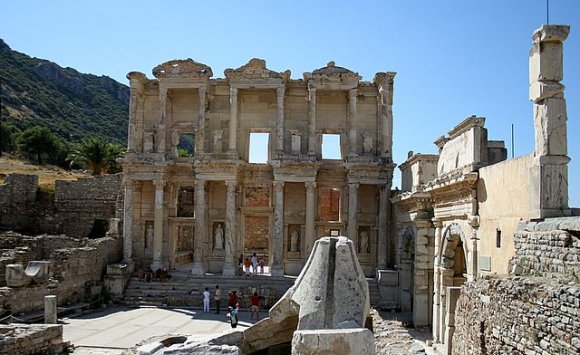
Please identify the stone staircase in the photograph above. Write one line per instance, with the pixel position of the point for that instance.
(187, 290)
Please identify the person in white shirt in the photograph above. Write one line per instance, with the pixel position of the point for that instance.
(206, 296)
(217, 298)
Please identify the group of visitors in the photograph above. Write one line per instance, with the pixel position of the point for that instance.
(251, 265)
(147, 274)
(233, 304)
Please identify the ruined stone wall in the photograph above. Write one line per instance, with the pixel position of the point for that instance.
(78, 270)
(17, 197)
(21, 339)
(518, 315)
(550, 248)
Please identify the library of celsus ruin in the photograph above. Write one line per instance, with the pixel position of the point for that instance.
(194, 193)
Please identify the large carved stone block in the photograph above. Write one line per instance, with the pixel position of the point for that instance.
(332, 341)
(15, 276)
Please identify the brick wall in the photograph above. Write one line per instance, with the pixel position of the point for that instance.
(519, 315)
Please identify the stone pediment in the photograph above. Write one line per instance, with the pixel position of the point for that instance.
(255, 69)
(331, 72)
(182, 68)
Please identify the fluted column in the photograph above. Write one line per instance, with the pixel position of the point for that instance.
(128, 222)
(200, 228)
(382, 237)
(277, 237)
(352, 134)
(200, 136)
(310, 230)
(352, 209)
(233, 120)
(158, 224)
(437, 336)
(229, 262)
(312, 121)
(280, 119)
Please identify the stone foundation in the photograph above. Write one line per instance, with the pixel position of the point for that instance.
(23, 339)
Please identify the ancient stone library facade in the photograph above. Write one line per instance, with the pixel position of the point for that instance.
(194, 193)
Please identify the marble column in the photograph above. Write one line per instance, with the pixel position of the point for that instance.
(437, 282)
(312, 139)
(229, 262)
(171, 232)
(385, 112)
(160, 134)
(352, 95)
(200, 135)
(158, 224)
(310, 228)
(352, 233)
(233, 120)
(382, 237)
(133, 104)
(280, 119)
(128, 222)
(200, 228)
(276, 267)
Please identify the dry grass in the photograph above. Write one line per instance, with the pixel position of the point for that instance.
(47, 174)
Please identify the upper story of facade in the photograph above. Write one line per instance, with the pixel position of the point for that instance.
(184, 115)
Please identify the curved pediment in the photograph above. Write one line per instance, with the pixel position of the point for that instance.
(255, 69)
(182, 68)
(332, 72)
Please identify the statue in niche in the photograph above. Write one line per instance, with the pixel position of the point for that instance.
(218, 141)
(149, 233)
(149, 143)
(364, 247)
(294, 241)
(367, 143)
(218, 237)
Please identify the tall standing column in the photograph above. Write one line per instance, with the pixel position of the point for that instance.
(352, 121)
(233, 120)
(229, 262)
(385, 112)
(128, 222)
(280, 119)
(200, 228)
(200, 136)
(437, 336)
(312, 121)
(352, 215)
(382, 237)
(158, 224)
(276, 267)
(160, 136)
(310, 230)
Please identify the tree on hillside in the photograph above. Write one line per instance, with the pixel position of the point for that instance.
(97, 155)
(38, 141)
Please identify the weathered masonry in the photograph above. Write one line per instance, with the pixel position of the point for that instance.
(193, 192)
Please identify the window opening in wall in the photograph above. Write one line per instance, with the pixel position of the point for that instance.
(186, 145)
(259, 143)
(331, 146)
(329, 204)
(99, 229)
(498, 238)
(185, 202)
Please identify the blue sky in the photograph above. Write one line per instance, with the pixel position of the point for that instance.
(454, 58)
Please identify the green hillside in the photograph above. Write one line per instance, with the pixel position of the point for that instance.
(72, 105)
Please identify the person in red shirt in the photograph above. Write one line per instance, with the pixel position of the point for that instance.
(255, 306)
(233, 299)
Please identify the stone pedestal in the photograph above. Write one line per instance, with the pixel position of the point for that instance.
(358, 341)
(50, 314)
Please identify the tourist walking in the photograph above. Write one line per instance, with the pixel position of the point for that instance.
(254, 264)
(206, 296)
(217, 298)
(241, 265)
(255, 306)
(247, 265)
(262, 266)
(233, 316)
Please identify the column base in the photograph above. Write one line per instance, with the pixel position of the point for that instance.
(198, 269)
(156, 265)
(130, 265)
(229, 269)
(277, 271)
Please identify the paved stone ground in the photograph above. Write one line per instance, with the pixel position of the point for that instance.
(115, 330)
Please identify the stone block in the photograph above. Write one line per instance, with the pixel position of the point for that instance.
(333, 341)
(16, 277)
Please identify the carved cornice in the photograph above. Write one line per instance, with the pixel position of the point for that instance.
(255, 69)
(182, 68)
(332, 73)
(465, 125)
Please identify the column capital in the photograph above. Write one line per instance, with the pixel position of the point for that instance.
(231, 185)
(159, 184)
(280, 90)
(437, 222)
(310, 186)
(278, 186)
(353, 185)
(199, 184)
(352, 93)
